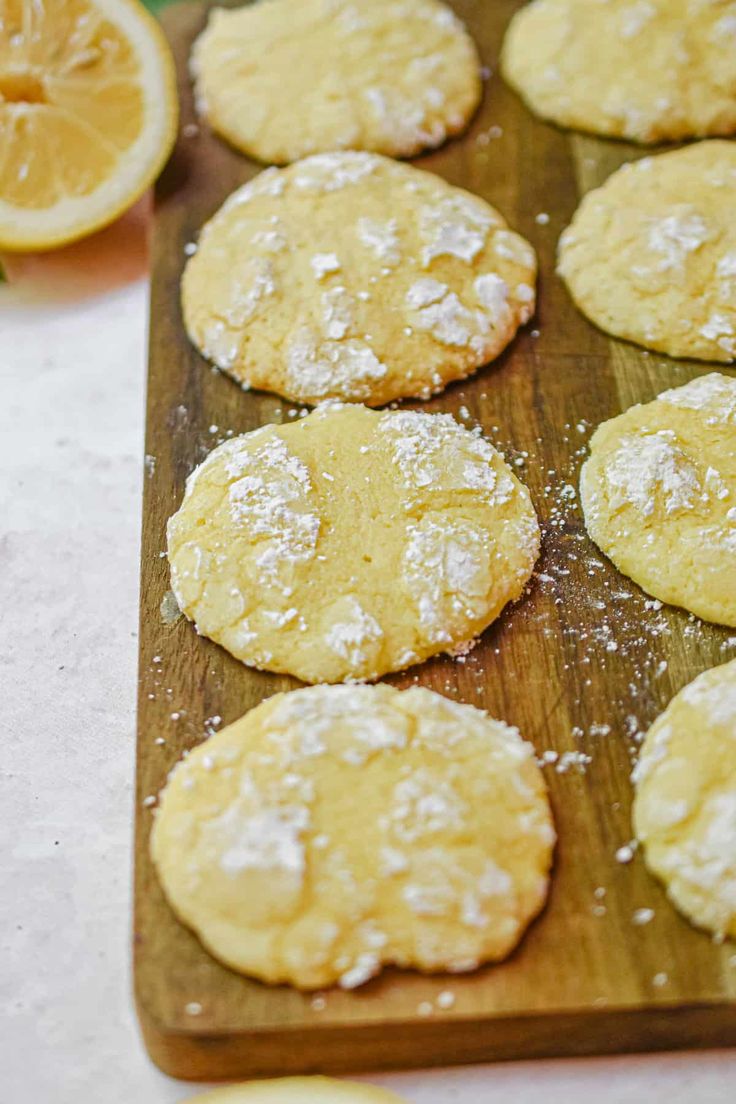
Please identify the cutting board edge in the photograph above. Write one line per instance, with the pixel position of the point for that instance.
(356, 1047)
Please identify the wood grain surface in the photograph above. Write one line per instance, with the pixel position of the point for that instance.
(580, 664)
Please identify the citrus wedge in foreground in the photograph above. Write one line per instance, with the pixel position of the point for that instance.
(298, 1090)
(88, 115)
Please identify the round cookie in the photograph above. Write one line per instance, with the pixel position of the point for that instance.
(336, 830)
(297, 1090)
(350, 543)
(645, 70)
(685, 805)
(280, 80)
(659, 496)
(350, 276)
(651, 255)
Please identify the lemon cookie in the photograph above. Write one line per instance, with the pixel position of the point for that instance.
(651, 255)
(350, 543)
(685, 805)
(645, 70)
(354, 277)
(335, 830)
(297, 1090)
(281, 79)
(659, 496)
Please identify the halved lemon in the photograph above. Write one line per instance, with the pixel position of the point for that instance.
(88, 115)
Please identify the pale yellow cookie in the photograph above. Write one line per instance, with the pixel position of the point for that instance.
(651, 255)
(336, 830)
(645, 70)
(297, 1090)
(350, 543)
(685, 805)
(354, 277)
(659, 496)
(281, 79)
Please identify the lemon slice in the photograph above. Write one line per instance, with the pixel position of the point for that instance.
(298, 1090)
(88, 115)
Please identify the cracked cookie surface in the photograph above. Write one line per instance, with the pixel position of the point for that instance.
(651, 255)
(281, 80)
(350, 543)
(659, 496)
(354, 277)
(335, 830)
(685, 805)
(646, 70)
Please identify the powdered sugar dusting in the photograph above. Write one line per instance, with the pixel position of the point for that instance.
(337, 313)
(266, 839)
(450, 322)
(330, 172)
(347, 368)
(715, 698)
(493, 294)
(720, 329)
(635, 17)
(435, 452)
(726, 267)
(675, 236)
(424, 292)
(381, 238)
(323, 264)
(650, 469)
(425, 804)
(349, 637)
(715, 394)
(270, 182)
(446, 570)
(454, 226)
(270, 501)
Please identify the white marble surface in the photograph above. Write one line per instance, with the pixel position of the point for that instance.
(71, 433)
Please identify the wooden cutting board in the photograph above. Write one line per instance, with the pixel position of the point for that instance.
(580, 664)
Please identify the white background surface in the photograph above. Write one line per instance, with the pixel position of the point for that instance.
(72, 369)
